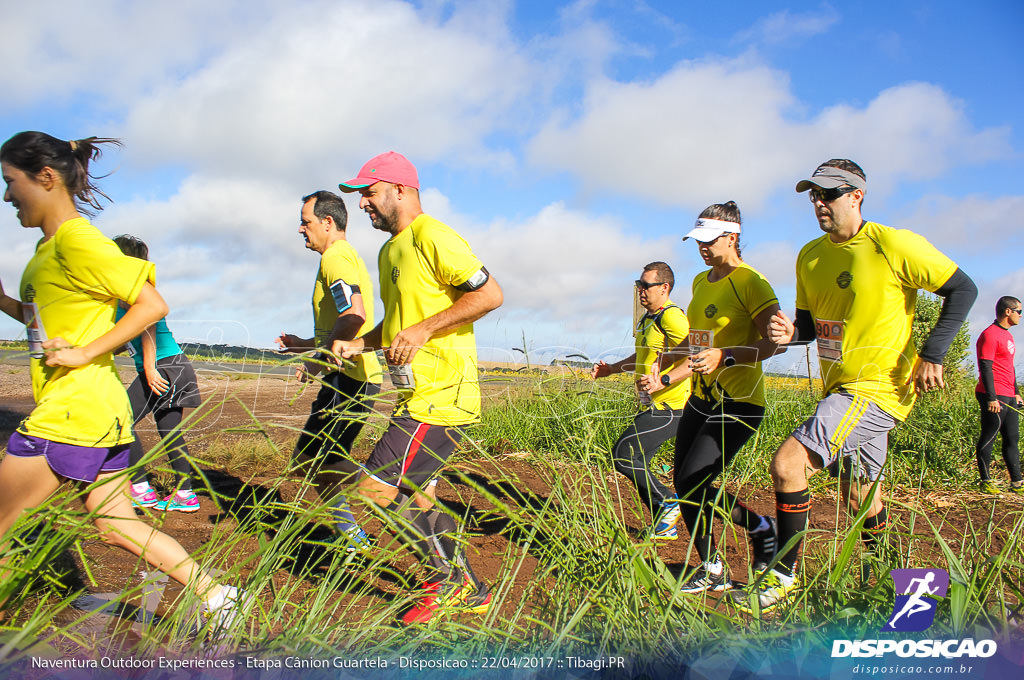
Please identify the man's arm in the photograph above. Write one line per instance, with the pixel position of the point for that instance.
(988, 381)
(471, 306)
(348, 323)
(347, 349)
(287, 342)
(601, 369)
(801, 331)
(959, 294)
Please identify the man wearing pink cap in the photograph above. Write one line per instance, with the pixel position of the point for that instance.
(433, 288)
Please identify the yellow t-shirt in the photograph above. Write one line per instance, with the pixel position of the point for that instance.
(75, 279)
(722, 315)
(419, 270)
(343, 274)
(862, 294)
(651, 342)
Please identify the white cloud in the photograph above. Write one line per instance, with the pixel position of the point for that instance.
(320, 90)
(971, 224)
(688, 135)
(785, 27)
(726, 127)
(912, 131)
(777, 261)
(112, 48)
(567, 275)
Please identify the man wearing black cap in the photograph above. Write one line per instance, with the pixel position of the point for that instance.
(856, 287)
(433, 288)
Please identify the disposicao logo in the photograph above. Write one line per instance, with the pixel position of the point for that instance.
(917, 597)
(918, 592)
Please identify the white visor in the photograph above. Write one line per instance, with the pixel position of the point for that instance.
(706, 229)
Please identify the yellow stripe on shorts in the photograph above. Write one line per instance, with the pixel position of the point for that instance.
(849, 421)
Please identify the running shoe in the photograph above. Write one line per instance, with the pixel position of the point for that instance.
(146, 499)
(986, 486)
(222, 613)
(664, 528)
(763, 546)
(1018, 490)
(702, 580)
(351, 541)
(769, 590)
(440, 597)
(181, 501)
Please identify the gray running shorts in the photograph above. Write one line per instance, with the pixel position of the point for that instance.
(849, 432)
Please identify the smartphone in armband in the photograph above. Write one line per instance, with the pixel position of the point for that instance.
(401, 377)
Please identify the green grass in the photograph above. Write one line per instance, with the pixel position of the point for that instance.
(592, 584)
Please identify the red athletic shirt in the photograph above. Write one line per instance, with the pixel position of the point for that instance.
(996, 345)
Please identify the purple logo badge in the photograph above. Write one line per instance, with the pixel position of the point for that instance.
(917, 594)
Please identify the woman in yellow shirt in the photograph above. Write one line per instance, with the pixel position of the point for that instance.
(80, 429)
(729, 313)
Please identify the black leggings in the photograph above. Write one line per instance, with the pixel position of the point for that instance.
(167, 423)
(710, 436)
(632, 454)
(1006, 423)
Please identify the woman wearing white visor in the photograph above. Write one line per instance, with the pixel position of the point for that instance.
(729, 314)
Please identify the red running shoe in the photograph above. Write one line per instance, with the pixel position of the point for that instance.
(442, 597)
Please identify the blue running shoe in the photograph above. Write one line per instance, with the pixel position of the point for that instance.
(183, 501)
(665, 525)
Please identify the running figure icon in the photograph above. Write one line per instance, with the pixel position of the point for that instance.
(915, 604)
(917, 594)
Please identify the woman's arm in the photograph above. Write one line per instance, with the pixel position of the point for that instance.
(149, 307)
(10, 306)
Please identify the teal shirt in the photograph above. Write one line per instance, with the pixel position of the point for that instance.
(165, 343)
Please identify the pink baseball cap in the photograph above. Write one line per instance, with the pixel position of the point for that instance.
(390, 167)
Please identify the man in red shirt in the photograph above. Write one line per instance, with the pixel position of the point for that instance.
(997, 395)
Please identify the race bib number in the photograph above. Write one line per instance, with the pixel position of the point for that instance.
(701, 340)
(830, 339)
(342, 294)
(34, 329)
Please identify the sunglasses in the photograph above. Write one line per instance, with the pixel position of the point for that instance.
(644, 285)
(1018, 311)
(829, 195)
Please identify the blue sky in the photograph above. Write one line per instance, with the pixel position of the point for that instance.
(570, 143)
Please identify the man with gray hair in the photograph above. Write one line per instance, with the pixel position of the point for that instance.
(342, 309)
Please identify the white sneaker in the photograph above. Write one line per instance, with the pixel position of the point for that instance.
(768, 590)
(222, 611)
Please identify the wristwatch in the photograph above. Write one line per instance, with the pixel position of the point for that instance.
(665, 380)
(729, 359)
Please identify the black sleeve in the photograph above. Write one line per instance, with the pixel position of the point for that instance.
(988, 380)
(804, 323)
(960, 293)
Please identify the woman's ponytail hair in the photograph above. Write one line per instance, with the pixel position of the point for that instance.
(30, 152)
